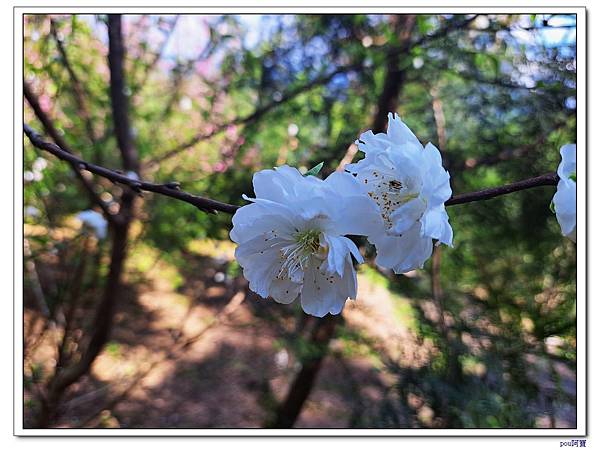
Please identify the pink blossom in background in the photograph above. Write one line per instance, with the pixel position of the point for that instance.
(45, 102)
(231, 131)
(220, 167)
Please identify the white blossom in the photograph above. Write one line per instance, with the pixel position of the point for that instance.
(94, 220)
(31, 211)
(410, 186)
(565, 199)
(292, 238)
(134, 176)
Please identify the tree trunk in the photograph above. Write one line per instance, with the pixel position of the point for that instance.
(103, 319)
(395, 74)
(301, 387)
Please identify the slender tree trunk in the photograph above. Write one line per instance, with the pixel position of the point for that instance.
(120, 104)
(395, 74)
(65, 377)
(301, 387)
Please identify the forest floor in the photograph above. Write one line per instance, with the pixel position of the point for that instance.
(193, 348)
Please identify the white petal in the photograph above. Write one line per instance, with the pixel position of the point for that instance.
(436, 186)
(337, 254)
(403, 253)
(358, 215)
(435, 225)
(257, 218)
(261, 261)
(353, 250)
(282, 184)
(323, 293)
(370, 143)
(405, 160)
(350, 208)
(313, 207)
(284, 291)
(343, 183)
(340, 248)
(568, 164)
(399, 133)
(405, 216)
(565, 204)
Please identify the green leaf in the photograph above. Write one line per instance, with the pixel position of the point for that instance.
(315, 170)
(552, 208)
(573, 177)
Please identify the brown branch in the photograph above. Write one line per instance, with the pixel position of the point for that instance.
(549, 179)
(246, 120)
(395, 74)
(211, 206)
(157, 55)
(78, 90)
(60, 142)
(250, 118)
(288, 411)
(168, 189)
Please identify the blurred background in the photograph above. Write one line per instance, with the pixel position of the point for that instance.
(137, 314)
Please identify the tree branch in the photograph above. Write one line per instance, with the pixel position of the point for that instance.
(212, 206)
(78, 90)
(245, 120)
(120, 106)
(60, 143)
(250, 118)
(168, 189)
(549, 179)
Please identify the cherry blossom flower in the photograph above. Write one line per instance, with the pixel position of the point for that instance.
(565, 199)
(410, 186)
(95, 221)
(292, 239)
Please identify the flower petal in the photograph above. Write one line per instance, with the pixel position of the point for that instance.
(340, 248)
(405, 216)
(323, 293)
(284, 291)
(436, 186)
(403, 253)
(399, 133)
(257, 218)
(371, 143)
(282, 184)
(568, 164)
(435, 225)
(565, 204)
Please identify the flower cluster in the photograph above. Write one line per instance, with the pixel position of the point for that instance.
(293, 237)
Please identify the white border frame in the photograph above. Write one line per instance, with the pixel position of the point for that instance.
(582, 353)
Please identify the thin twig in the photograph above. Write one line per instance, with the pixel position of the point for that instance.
(78, 90)
(292, 93)
(60, 142)
(250, 118)
(549, 179)
(168, 189)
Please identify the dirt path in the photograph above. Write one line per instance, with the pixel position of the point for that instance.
(241, 356)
